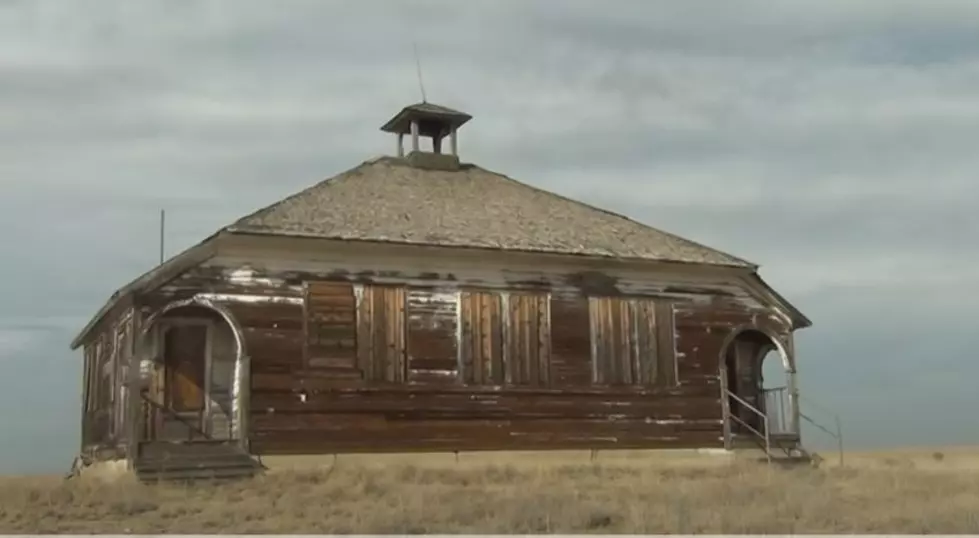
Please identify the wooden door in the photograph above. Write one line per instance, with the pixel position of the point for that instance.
(185, 356)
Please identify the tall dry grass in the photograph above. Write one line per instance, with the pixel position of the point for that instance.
(876, 494)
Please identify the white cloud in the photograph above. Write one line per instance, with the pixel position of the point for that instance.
(15, 342)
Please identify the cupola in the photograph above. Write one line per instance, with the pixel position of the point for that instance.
(431, 121)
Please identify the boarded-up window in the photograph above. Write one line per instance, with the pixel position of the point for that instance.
(106, 351)
(432, 347)
(571, 360)
(381, 333)
(481, 338)
(91, 368)
(331, 329)
(526, 338)
(505, 338)
(628, 345)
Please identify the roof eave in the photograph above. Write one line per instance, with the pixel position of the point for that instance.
(243, 231)
(150, 279)
(799, 320)
(395, 125)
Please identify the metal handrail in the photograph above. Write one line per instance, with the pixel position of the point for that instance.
(838, 435)
(192, 428)
(766, 436)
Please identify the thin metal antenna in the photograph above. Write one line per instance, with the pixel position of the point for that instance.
(163, 223)
(418, 65)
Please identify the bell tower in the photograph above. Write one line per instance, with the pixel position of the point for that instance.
(432, 121)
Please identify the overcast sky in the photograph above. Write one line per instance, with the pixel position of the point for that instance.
(832, 142)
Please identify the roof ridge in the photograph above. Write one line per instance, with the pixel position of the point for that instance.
(616, 215)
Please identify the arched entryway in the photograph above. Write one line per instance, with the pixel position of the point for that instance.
(192, 354)
(759, 374)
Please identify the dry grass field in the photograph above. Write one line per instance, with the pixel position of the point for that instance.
(894, 492)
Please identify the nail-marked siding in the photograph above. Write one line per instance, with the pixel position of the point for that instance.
(626, 342)
(432, 336)
(381, 333)
(481, 337)
(331, 329)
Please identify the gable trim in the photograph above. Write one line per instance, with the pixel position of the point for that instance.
(149, 280)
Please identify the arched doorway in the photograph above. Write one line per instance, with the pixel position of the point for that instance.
(190, 369)
(759, 374)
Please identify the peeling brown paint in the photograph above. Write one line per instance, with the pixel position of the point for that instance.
(370, 357)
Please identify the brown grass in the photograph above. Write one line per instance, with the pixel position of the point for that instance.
(909, 492)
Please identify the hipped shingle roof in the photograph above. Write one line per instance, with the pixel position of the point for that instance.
(387, 199)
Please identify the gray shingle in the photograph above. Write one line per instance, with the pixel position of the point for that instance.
(386, 199)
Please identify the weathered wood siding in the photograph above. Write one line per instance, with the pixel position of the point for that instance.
(625, 342)
(526, 340)
(571, 351)
(352, 352)
(106, 358)
(331, 329)
(432, 339)
(481, 338)
(381, 333)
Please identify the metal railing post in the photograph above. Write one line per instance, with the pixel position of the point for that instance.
(765, 434)
(725, 411)
(839, 437)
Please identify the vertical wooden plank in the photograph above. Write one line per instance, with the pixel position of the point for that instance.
(621, 335)
(504, 374)
(432, 337)
(118, 356)
(306, 335)
(666, 363)
(496, 331)
(485, 323)
(97, 373)
(635, 356)
(605, 349)
(482, 355)
(594, 314)
(525, 330)
(515, 357)
(466, 338)
(646, 341)
(86, 392)
(392, 367)
(379, 330)
(519, 341)
(571, 341)
(544, 339)
(482, 337)
(123, 387)
(136, 420)
(364, 338)
(626, 340)
(399, 325)
(511, 368)
(527, 355)
(629, 356)
(609, 342)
